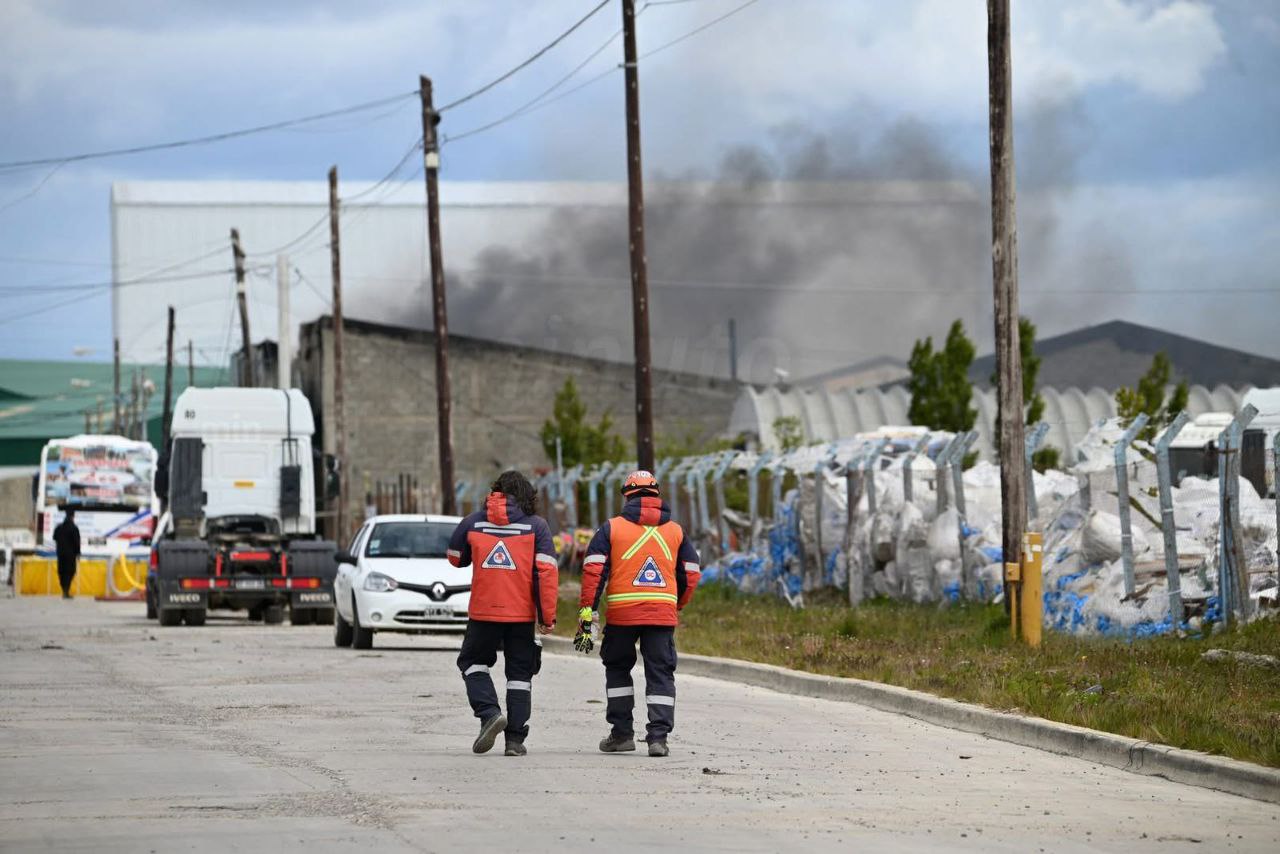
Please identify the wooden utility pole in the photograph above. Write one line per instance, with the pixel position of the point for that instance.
(1004, 262)
(246, 367)
(444, 413)
(339, 410)
(115, 410)
(639, 268)
(167, 415)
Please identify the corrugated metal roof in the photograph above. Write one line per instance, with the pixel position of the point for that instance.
(47, 400)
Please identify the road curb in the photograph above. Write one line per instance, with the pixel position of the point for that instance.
(1141, 757)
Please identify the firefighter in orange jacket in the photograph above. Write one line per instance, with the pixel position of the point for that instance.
(645, 569)
(513, 590)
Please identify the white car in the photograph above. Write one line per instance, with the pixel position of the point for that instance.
(394, 577)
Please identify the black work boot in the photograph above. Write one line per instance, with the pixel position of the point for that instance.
(515, 747)
(658, 747)
(614, 743)
(488, 733)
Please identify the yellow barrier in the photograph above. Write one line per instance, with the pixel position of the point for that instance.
(38, 576)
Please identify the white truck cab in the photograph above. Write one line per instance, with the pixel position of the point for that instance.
(240, 529)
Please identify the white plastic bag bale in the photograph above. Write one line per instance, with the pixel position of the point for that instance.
(944, 536)
(1150, 603)
(1101, 540)
(989, 581)
(914, 560)
(946, 576)
(883, 528)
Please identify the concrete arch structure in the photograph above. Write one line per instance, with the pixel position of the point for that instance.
(829, 415)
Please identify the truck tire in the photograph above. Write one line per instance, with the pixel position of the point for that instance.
(195, 616)
(301, 616)
(323, 616)
(150, 595)
(255, 614)
(361, 638)
(273, 615)
(171, 617)
(341, 632)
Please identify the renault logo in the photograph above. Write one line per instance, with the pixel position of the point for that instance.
(438, 590)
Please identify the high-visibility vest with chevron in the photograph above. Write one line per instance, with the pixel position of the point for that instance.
(642, 566)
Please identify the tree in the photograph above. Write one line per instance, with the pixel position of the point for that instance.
(789, 432)
(1149, 397)
(1048, 456)
(939, 384)
(580, 442)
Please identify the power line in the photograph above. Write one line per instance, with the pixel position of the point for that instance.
(21, 290)
(53, 262)
(694, 32)
(204, 140)
(324, 218)
(19, 199)
(485, 88)
(570, 280)
(538, 103)
(530, 105)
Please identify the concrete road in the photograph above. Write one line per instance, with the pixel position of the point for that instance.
(117, 735)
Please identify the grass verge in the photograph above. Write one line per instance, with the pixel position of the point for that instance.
(1156, 689)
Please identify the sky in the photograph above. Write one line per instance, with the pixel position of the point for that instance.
(1147, 137)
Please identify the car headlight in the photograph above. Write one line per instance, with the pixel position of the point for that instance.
(376, 582)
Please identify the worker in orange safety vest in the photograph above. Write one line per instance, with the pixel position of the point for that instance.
(644, 568)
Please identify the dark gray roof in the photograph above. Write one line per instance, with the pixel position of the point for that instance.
(1116, 354)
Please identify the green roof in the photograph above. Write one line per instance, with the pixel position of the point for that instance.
(47, 400)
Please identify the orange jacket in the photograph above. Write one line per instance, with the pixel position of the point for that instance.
(642, 565)
(516, 576)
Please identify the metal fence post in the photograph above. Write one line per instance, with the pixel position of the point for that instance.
(1233, 574)
(869, 465)
(908, 473)
(717, 477)
(958, 452)
(691, 487)
(1122, 497)
(1033, 440)
(593, 494)
(704, 514)
(778, 474)
(753, 491)
(571, 478)
(940, 472)
(1168, 529)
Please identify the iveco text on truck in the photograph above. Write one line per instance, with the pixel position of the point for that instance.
(240, 529)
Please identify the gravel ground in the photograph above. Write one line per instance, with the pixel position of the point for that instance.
(118, 735)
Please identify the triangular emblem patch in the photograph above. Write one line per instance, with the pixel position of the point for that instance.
(649, 575)
(499, 558)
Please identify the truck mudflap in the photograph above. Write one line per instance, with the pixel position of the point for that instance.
(313, 559)
(312, 599)
(173, 596)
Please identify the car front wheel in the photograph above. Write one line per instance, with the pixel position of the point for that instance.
(342, 633)
(361, 638)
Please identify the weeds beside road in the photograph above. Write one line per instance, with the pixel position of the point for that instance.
(1156, 689)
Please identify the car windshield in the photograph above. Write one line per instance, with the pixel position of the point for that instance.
(409, 539)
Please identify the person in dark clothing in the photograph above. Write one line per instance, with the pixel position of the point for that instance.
(514, 585)
(67, 539)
